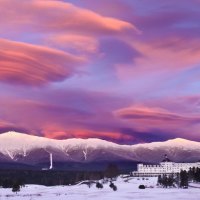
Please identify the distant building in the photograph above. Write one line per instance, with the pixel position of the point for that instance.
(165, 167)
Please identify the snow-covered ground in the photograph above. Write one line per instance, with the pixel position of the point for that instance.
(126, 190)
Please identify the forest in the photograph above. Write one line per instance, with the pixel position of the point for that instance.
(8, 178)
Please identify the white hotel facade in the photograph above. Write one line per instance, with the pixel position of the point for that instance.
(165, 167)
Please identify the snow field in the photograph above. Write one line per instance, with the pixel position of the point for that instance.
(126, 191)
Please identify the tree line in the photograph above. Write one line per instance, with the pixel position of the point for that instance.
(180, 179)
(10, 178)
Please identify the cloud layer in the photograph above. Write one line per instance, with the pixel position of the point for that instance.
(121, 70)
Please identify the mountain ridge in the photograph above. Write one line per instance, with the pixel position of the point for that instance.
(29, 149)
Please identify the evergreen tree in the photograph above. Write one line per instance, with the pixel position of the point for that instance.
(183, 179)
(16, 187)
(111, 171)
(167, 181)
(160, 180)
(7, 183)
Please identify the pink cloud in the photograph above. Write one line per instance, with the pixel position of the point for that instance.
(152, 113)
(56, 16)
(83, 133)
(151, 119)
(79, 43)
(22, 63)
(161, 58)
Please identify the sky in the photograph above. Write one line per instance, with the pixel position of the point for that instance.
(125, 71)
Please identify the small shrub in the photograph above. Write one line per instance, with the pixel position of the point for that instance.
(111, 185)
(99, 185)
(141, 187)
(114, 188)
(16, 187)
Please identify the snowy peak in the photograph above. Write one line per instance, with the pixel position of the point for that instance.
(180, 140)
(16, 135)
(177, 142)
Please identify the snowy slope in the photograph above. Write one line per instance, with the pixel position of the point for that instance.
(30, 149)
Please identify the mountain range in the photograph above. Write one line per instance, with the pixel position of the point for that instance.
(19, 148)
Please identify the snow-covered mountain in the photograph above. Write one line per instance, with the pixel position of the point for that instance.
(28, 149)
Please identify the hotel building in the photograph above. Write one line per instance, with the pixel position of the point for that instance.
(165, 167)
